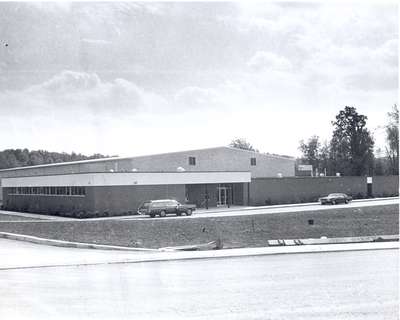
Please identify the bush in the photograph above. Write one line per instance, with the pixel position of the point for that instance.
(68, 214)
(359, 196)
(105, 213)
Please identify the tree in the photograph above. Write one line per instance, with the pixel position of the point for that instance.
(310, 151)
(317, 154)
(325, 159)
(392, 138)
(241, 143)
(351, 144)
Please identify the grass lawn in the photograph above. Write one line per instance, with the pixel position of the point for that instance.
(238, 231)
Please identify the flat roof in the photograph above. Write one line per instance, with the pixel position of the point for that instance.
(136, 157)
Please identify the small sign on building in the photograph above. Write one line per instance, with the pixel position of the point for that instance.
(304, 167)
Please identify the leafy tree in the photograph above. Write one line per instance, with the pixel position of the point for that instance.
(35, 158)
(317, 154)
(392, 138)
(351, 144)
(310, 152)
(241, 143)
(325, 159)
(9, 159)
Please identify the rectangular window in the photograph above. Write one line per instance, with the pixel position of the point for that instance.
(53, 191)
(253, 161)
(192, 161)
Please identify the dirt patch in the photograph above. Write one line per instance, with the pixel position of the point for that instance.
(237, 231)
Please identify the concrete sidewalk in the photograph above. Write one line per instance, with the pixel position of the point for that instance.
(306, 204)
(199, 211)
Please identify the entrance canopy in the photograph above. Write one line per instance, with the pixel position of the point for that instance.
(128, 178)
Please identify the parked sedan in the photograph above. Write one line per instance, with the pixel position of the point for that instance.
(335, 198)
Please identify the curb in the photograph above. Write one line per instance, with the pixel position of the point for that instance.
(228, 253)
(323, 241)
(68, 244)
(204, 247)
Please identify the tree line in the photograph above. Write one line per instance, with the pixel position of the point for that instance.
(11, 158)
(350, 151)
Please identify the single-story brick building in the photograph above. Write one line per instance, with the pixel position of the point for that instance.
(207, 177)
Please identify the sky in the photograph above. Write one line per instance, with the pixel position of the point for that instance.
(134, 78)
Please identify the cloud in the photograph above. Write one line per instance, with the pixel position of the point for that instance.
(82, 92)
(256, 65)
(323, 45)
(196, 97)
(362, 68)
(263, 60)
(96, 41)
(67, 82)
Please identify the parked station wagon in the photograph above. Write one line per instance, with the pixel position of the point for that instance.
(164, 207)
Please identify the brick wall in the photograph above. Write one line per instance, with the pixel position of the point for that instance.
(115, 200)
(122, 199)
(265, 191)
(47, 204)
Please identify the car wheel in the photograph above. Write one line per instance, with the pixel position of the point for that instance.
(179, 214)
(189, 212)
(346, 201)
(152, 215)
(163, 214)
(333, 202)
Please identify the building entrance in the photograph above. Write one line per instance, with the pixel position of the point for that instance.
(224, 197)
(215, 195)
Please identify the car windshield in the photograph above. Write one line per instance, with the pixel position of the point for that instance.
(336, 195)
(145, 205)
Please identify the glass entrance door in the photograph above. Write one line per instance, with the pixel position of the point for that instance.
(222, 196)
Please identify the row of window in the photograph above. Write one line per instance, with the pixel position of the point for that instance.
(192, 161)
(53, 191)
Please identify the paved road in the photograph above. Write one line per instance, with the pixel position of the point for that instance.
(340, 285)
